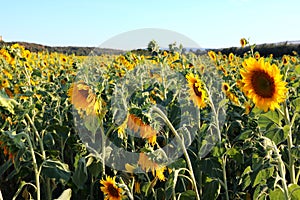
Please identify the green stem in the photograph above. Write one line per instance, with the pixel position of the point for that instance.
(290, 144)
(48, 187)
(37, 135)
(281, 169)
(185, 153)
(225, 176)
(35, 167)
(216, 114)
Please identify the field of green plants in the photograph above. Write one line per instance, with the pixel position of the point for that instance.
(166, 125)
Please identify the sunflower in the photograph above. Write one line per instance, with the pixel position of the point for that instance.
(225, 87)
(257, 55)
(7, 74)
(110, 189)
(5, 83)
(243, 42)
(263, 84)
(135, 124)
(137, 187)
(82, 97)
(293, 59)
(212, 55)
(231, 57)
(147, 164)
(197, 93)
(285, 59)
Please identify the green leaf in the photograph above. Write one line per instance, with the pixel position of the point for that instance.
(263, 175)
(296, 152)
(91, 122)
(65, 195)
(276, 194)
(296, 103)
(294, 191)
(5, 167)
(235, 154)
(211, 167)
(273, 116)
(80, 176)
(188, 195)
(278, 135)
(180, 163)
(245, 135)
(297, 69)
(245, 181)
(7, 103)
(211, 190)
(56, 169)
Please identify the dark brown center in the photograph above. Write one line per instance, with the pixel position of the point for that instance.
(196, 90)
(263, 84)
(84, 93)
(113, 191)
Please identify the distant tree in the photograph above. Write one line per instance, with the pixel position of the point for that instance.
(153, 46)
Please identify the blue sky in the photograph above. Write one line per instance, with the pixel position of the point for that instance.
(211, 24)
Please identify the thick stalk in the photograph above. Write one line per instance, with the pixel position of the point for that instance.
(220, 140)
(290, 144)
(35, 167)
(281, 169)
(185, 153)
(48, 188)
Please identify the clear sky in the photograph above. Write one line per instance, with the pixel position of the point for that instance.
(212, 24)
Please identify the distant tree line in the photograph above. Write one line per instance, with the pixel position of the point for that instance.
(79, 51)
(277, 49)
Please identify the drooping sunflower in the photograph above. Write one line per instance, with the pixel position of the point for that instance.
(197, 93)
(262, 84)
(110, 189)
(82, 97)
(145, 130)
(148, 164)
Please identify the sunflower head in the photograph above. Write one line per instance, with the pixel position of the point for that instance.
(262, 84)
(225, 87)
(285, 59)
(147, 164)
(110, 189)
(243, 42)
(212, 55)
(5, 83)
(197, 93)
(231, 57)
(257, 55)
(82, 97)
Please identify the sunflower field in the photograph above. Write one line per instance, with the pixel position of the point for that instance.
(164, 125)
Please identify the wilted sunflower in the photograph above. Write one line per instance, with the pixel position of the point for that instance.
(263, 84)
(147, 165)
(197, 93)
(146, 131)
(82, 97)
(110, 189)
